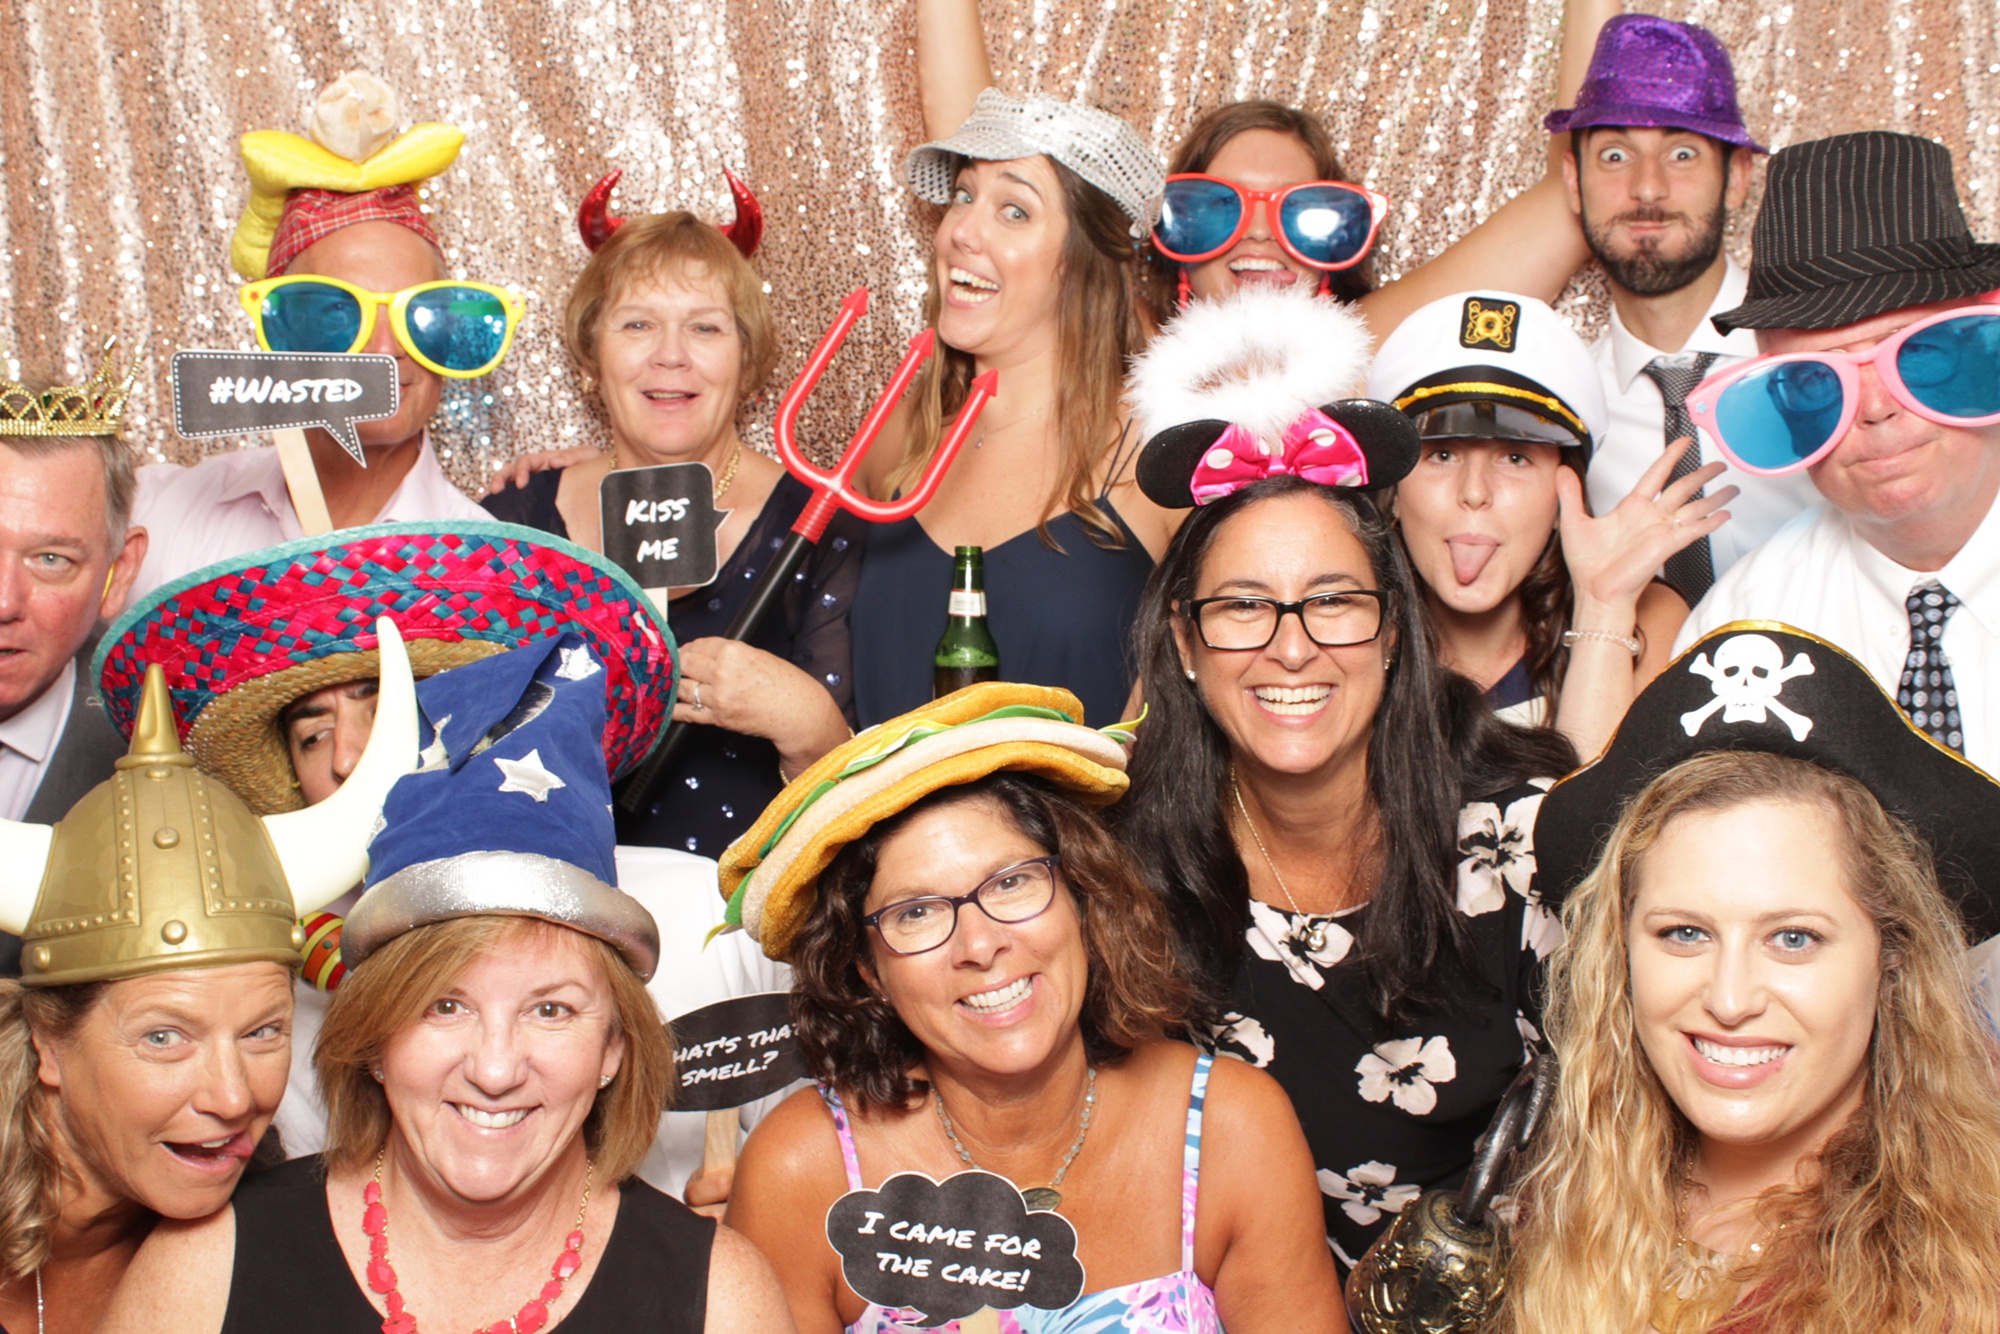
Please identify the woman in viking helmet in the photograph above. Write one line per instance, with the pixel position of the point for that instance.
(145, 1048)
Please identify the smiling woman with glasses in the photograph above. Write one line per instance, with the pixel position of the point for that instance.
(983, 983)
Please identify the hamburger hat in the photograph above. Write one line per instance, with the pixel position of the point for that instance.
(770, 875)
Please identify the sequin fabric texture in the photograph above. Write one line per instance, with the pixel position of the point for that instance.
(120, 182)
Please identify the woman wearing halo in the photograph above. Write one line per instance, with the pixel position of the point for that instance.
(1763, 1004)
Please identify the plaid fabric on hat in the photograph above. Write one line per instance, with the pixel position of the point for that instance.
(1856, 226)
(314, 215)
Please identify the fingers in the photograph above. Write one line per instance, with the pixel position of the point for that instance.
(1678, 491)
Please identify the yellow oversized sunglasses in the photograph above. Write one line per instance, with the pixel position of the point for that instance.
(457, 329)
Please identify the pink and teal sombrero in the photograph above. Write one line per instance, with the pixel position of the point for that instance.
(242, 640)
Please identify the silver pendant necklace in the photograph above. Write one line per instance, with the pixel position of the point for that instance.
(1311, 932)
(1036, 1197)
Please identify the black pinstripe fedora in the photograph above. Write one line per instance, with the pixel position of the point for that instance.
(1856, 226)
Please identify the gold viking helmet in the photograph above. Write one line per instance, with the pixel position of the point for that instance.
(160, 867)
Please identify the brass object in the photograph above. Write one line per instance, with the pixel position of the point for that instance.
(128, 892)
(1441, 1268)
(161, 867)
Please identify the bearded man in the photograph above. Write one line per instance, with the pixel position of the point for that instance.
(1659, 158)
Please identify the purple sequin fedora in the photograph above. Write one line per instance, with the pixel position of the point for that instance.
(1650, 71)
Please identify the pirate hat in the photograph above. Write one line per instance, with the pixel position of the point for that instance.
(1762, 686)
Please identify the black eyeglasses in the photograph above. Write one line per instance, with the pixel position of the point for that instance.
(1331, 620)
(1014, 894)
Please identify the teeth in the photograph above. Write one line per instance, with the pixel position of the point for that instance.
(1738, 1056)
(967, 278)
(1255, 264)
(222, 1143)
(490, 1120)
(1000, 997)
(1292, 701)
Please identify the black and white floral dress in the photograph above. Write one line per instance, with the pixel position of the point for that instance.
(1391, 1113)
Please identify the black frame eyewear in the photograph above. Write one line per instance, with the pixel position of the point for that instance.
(874, 919)
(1381, 596)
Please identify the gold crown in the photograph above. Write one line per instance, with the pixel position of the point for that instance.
(95, 407)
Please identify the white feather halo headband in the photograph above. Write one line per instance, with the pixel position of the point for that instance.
(1257, 359)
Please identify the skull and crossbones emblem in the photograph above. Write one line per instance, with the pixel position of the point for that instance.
(1748, 673)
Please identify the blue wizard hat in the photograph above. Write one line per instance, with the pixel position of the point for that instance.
(508, 811)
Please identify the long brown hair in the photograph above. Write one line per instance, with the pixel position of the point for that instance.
(1097, 329)
(31, 1170)
(1896, 1225)
(1205, 139)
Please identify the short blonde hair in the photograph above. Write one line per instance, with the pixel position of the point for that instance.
(657, 246)
(397, 983)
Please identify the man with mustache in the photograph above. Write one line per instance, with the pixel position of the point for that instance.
(1659, 156)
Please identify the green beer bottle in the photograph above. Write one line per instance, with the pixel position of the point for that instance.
(966, 654)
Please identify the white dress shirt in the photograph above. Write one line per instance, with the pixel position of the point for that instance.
(28, 741)
(237, 502)
(1819, 575)
(1638, 427)
(679, 889)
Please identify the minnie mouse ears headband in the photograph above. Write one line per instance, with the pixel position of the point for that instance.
(1257, 386)
(595, 221)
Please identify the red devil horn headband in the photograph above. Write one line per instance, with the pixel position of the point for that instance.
(595, 220)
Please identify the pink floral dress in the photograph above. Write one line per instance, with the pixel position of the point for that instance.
(1177, 1303)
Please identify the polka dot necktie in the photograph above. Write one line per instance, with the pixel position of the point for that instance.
(1927, 693)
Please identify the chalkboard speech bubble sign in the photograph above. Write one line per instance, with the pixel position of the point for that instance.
(947, 1249)
(231, 393)
(660, 523)
(734, 1052)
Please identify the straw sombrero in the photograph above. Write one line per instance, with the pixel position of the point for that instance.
(770, 875)
(243, 639)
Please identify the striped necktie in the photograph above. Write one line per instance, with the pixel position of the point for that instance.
(1691, 569)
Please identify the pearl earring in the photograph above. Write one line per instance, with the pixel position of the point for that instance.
(604, 1081)
(1190, 673)
(377, 1072)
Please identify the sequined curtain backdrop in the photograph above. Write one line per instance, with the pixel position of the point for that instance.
(120, 183)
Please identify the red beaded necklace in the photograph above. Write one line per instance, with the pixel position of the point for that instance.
(534, 1313)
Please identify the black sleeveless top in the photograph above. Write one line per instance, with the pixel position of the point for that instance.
(290, 1273)
(1060, 618)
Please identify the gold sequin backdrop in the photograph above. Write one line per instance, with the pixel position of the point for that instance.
(120, 183)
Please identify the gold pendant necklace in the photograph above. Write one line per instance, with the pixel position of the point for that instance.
(1036, 1197)
(1311, 932)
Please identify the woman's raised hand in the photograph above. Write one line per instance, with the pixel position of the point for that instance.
(1612, 557)
(727, 683)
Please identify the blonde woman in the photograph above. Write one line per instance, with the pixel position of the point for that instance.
(1763, 1005)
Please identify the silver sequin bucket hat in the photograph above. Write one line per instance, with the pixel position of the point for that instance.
(1094, 144)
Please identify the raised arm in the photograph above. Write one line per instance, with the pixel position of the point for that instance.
(1611, 560)
(1531, 244)
(952, 66)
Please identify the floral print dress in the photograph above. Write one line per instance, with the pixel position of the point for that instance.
(1391, 1112)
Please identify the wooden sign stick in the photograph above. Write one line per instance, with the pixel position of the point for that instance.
(983, 1321)
(302, 480)
(718, 1152)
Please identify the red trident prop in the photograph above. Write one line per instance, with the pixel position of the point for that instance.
(832, 492)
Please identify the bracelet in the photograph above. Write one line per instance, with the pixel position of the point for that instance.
(1626, 642)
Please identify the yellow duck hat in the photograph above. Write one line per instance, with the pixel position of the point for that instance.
(771, 875)
(351, 152)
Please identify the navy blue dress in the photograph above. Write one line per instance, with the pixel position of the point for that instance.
(1060, 618)
(721, 781)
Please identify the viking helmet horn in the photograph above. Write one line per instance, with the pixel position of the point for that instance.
(324, 848)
